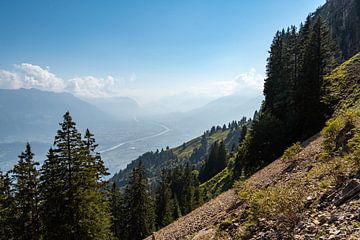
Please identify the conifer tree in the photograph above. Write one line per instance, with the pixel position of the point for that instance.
(73, 205)
(7, 208)
(215, 162)
(117, 212)
(164, 202)
(26, 188)
(139, 205)
(52, 197)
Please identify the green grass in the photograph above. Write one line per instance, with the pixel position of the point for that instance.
(217, 184)
(185, 153)
(343, 91)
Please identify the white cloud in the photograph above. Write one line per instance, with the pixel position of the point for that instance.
(250, 81)
(10, 80)
(214, 89)
(27, 75)
(34, 76)
(90, 86)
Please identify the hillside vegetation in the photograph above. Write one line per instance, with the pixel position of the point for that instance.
(295, 164)
(193, 152)
(311, 192)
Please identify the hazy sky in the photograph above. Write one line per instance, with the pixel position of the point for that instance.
(141, 48)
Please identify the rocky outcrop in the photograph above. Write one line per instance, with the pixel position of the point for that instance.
(344, 19)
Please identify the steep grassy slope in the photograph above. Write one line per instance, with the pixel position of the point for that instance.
(311, 192)
(343, 85)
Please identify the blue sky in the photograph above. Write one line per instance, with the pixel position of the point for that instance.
(162, 47)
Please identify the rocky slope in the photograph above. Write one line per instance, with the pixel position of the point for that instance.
(311, 192)
(344, 19)
(310, 203)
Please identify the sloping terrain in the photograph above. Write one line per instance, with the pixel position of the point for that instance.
(328, 208)
(218, 209)
(311, 192)
(194, 151)
(344, 20)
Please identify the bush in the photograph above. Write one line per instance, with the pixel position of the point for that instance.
(354, 149)
(282, 203)
(292, 153)
(337, 133)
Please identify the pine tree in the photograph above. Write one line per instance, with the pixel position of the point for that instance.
(62, 171)
(215, 162)
(187, 193)
(52, 197)
(27, 195)
(117, 212)
(319, 57)
(7, 209)
(94, 164)
(164, 202)
(139, 204)
(73, 205)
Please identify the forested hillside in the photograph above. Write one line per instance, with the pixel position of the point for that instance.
(192, 152)
(302, 90)
(311, 192)
(294, 167)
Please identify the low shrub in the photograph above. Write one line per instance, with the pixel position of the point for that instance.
(292, 153)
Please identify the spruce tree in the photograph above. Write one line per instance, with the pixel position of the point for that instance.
(52, 198)
(139, 204)
(164, 202)
(215, 162)
(117, 212)
(26, 188)
(73, 205)
(7, 209)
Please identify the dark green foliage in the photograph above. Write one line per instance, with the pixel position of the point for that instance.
(294, 89)
(72, 205)
(7, 209)
(148, 160)
(26, 188)
(164, 202)
(178, 194)
(263, 143)
(318, 59)
(117, 212)
(52, 197)
(194, 151)
(200, 152)
(139, 206)
(215, 162)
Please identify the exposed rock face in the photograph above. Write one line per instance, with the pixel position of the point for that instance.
(344, 19)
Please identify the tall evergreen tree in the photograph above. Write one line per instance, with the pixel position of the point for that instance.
(52, 197)
(164, 202)
(26, 188)
(73, 205)
(139, 204)
(215, 162)
(7, 209)
(117, 212)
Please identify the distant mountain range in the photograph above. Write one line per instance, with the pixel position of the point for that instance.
(124, 108)
(218, 112)
(33, 114)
